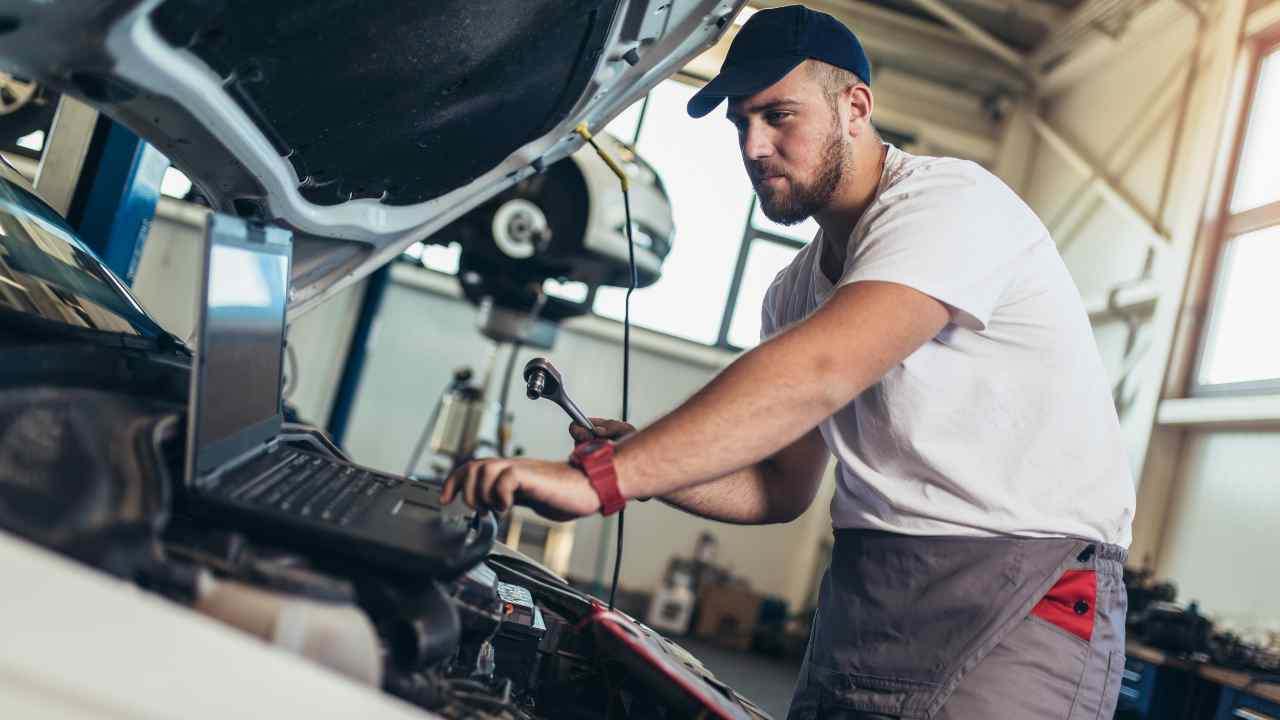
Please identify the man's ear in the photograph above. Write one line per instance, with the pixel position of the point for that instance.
(860, 103)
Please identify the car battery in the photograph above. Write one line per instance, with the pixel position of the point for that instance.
(517, 640)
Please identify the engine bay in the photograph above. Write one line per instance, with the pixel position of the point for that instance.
(506, 639)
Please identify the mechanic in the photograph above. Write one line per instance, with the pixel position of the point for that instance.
(931, 338)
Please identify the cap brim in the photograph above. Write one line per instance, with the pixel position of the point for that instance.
(740, 81)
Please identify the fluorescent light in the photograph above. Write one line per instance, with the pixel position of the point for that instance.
(175, 184)
(33, 142)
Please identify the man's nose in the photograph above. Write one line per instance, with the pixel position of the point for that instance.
(755, 143)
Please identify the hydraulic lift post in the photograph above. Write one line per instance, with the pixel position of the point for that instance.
(105, 180)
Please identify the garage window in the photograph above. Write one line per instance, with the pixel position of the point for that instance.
(710, 198)
(725, 252)
(1240, 350)
(762, 258)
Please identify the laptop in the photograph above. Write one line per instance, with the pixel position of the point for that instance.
(245, 470)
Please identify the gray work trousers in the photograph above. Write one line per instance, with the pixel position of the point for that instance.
(965, 629)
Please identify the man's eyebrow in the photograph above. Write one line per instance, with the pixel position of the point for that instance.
(764, 107)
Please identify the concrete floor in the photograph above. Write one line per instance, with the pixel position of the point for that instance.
(767, 682)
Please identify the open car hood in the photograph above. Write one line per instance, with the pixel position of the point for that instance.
(362, 128)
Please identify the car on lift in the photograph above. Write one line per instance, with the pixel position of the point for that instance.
(363, 132)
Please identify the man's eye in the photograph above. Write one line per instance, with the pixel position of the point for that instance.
(777, 117)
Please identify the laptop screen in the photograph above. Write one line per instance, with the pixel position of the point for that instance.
(240, 349)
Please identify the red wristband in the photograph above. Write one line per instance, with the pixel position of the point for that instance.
(595, 459)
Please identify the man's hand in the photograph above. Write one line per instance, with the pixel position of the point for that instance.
(554, 490)
(605, 430)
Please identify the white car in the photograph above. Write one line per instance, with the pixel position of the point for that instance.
(363, 128)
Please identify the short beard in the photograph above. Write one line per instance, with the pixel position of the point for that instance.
(804, 200)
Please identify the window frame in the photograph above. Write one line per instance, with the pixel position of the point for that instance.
(750, 236)
(1234, 225)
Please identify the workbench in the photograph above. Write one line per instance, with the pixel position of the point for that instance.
(1159, 686)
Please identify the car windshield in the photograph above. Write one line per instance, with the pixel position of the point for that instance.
(47, 272)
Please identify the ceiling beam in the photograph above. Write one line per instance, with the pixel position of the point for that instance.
(1046, 14)
(974, 32)
(951, 122)
(1096, 50)
(1263, 18)
(1106, 188)
(920, 47)
(1093, 19)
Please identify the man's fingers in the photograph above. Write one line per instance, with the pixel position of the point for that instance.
(486, 493)
(579, 433)
(616, 427)
(450, 489)
(505, 490)
(475, 471)
(604, 427)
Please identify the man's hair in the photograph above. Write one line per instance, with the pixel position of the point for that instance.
(834, 81)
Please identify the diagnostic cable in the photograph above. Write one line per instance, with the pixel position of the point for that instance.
(626, 318)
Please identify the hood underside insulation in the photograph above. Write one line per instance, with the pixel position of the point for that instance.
(399, 101)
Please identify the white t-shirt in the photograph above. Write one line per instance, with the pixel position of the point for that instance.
(1002, 424)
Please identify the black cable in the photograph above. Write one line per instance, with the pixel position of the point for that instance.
(626, 372)
(626, 324)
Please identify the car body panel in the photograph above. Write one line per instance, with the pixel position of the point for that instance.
(113, 55)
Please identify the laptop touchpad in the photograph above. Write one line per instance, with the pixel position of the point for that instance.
(414, 510)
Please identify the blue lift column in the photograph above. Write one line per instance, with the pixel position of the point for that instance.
(115, 198)
(353, 367)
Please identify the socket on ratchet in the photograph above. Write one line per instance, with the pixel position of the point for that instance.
(543, 380)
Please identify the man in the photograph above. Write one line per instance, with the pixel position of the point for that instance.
(931, 338)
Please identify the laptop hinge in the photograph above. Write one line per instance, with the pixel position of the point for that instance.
(206, 480)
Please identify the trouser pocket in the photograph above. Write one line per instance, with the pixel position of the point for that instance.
(1071, 604)
(1100, 685)
(1064, 660)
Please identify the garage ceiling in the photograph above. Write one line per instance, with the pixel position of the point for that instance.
(991, 48)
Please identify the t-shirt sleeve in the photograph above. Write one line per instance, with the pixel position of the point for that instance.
(951, 231)
(768, 326)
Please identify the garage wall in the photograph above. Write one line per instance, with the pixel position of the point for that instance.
(421, 336)
(167, 284)
(1214, 520)
(1123, 115)
(1221, 543)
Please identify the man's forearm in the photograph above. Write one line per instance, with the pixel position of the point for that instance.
(742, 498)
(772, 395)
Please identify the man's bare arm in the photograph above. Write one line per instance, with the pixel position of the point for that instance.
(776, 490)
(772, 395)
(763, 402)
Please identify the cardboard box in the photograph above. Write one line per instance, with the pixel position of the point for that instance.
(727, 615)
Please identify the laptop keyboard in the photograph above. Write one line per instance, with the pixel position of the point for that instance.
(309, 486)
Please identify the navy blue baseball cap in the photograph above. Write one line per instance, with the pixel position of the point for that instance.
(771, 44)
